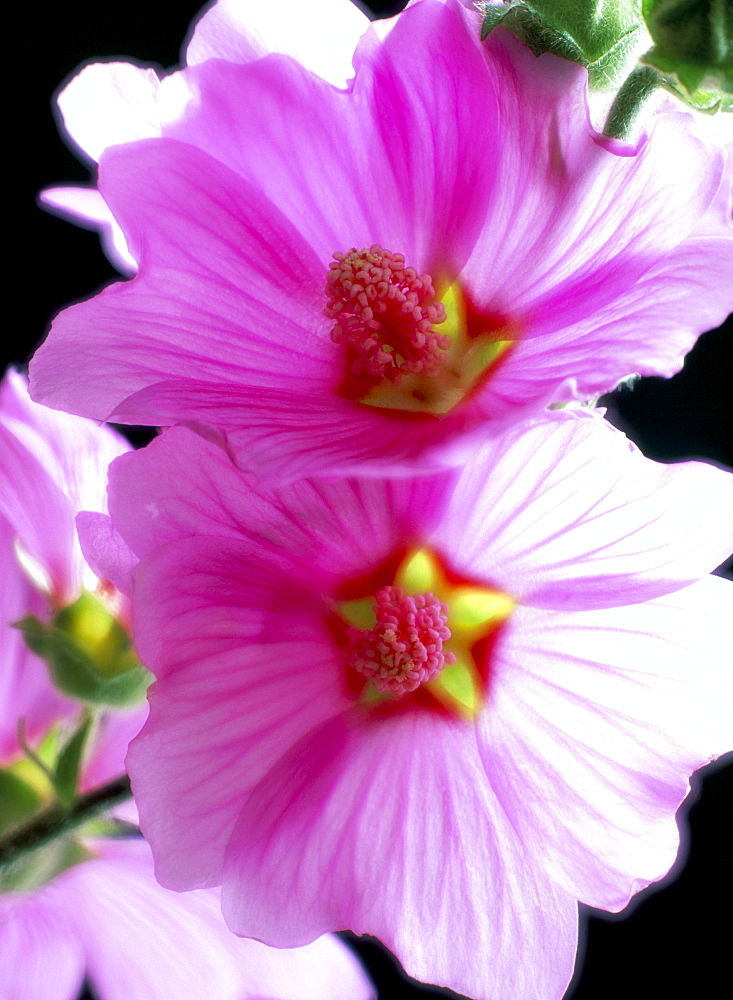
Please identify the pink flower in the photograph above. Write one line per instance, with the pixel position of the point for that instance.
(51, 466)
(108, 919)
(538, 705)
(364, 275)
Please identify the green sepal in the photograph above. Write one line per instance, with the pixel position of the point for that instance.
(68, 765)
(19, 801)
(38, 868)
(601, 35)
(94, 665)
(693, 48)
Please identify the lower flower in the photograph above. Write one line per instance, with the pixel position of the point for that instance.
(109, 920)
(438, 710)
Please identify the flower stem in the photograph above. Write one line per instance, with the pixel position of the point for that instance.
(55, 821)
(629, 102)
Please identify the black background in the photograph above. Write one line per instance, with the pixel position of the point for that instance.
(676, 942)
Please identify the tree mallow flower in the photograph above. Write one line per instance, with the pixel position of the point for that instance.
(438, 709)
(362, 272)
(90, 907)
(51, 466)
(107, 918)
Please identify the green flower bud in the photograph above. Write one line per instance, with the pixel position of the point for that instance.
(693, 48)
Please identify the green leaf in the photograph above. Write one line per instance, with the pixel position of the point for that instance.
(601, 35)
(76, 674)
(68, 766)
(693, 48)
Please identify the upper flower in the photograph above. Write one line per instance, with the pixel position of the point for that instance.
(399, 675)
(361, 275)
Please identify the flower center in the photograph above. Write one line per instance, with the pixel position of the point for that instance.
(405, 647)
(384, 315)
(429, 634)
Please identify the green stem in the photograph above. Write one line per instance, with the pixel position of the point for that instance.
(629, 102)
(55, 821)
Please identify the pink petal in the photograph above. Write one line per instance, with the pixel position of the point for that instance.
(51, 464)
(594, 723)
(284, 435)
(572, 224)
(40, 514)
(322, 37)
(198, 305)
(404, 158)
(39, 959)
(144, 942)
(250, 668)
(111, 738)
(181, 485)
(105, 551)
(566, 512)
(399, 835)
(26, 691)
(110, 103)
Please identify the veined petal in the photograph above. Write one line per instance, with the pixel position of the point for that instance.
(672, 302)
(250, 669)
(41, 515)
(198, 304)
(39, 959)
(145, 942)
(51, 465)
(404, 158)
(595, 721)
(321, 37)
(283, 435)
(433, 867)
(566, 513)
(181, 485)
(571, 224)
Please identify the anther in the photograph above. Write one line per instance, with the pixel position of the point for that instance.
(405, 647)
(385, 313)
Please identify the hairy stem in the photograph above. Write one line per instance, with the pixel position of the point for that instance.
(629, 102)
(55, 821)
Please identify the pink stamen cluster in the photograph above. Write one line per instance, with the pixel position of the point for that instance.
(405, 647)
(385, 312)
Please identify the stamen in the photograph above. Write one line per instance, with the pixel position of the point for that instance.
(405, 647)
(385, 313)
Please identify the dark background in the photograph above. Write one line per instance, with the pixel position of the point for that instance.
(676, 942)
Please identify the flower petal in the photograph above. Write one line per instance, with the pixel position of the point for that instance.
(110, 103)
(244, 668)
(594, 723)
(26, 691)
(566, 513)
(145, 942)
(181, 485)
(198, 304)
(321, 37)
(404, 158)
(571, 224)
(284, 435)
(399, 835)
(39, 959)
